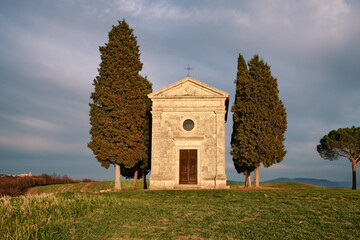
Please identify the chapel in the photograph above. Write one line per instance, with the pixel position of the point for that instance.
(188, 136)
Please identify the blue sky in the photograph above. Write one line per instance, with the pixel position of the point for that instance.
(49, 57)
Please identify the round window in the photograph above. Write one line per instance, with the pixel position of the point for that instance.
(188, 125)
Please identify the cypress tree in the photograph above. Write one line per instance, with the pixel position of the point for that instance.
(244, 135)
(142, 168)
(271, 116)
(259, 119)
(118, 112)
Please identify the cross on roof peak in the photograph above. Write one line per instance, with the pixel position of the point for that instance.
(188, 68)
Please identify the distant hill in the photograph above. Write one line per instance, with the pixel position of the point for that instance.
(233, 182)
(311, 181)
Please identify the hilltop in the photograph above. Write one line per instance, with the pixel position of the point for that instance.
(287, 211)
(310, 181)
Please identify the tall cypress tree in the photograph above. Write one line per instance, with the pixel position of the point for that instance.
(142, 168)
(259, 119)
(118, 113)
(271, 116)
(245, 129)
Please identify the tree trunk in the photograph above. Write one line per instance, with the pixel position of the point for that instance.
(247, 179)
(144, 180)
(256, 177)
(135, 179)
(117, 177)
(353, 176)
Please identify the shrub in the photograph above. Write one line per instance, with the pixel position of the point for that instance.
(15, 186)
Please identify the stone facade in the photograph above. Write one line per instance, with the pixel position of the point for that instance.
(205, 109)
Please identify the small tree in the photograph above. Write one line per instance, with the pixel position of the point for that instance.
(118, 113)
(344, 142)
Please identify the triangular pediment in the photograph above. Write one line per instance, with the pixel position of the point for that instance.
(188, 87)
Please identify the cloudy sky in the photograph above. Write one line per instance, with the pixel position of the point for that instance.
(49, 55)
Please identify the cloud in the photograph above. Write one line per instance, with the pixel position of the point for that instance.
(304, 148)
(329, 19)
(301, 27)
(36, 145)
(330, 13)
(33, 122)
(296, 168)
(152, 10)
(134, 7)
(221, 14)
(59, 57)
(280, 167)
(165, 10)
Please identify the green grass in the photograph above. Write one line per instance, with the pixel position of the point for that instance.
(289, 211)
(86, 187)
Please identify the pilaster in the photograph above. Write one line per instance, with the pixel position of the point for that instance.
(220, 178)
(155, 176)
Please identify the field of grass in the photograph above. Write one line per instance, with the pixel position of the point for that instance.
(288, 211)
(16, 185)
(94, 187)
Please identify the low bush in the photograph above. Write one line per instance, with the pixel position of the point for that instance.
(15, 186)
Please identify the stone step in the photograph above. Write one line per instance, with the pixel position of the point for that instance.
(187, 187)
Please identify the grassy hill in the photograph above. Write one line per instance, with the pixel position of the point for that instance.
(93, 187)
(279, 211)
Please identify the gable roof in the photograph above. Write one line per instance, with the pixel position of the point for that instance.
(190, 88)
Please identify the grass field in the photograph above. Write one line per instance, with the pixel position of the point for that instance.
(289, 211)
(95, 187)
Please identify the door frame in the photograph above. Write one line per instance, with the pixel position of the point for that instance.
(188, 169)
(177, 162)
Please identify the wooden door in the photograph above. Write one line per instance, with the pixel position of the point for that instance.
(188, 167)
